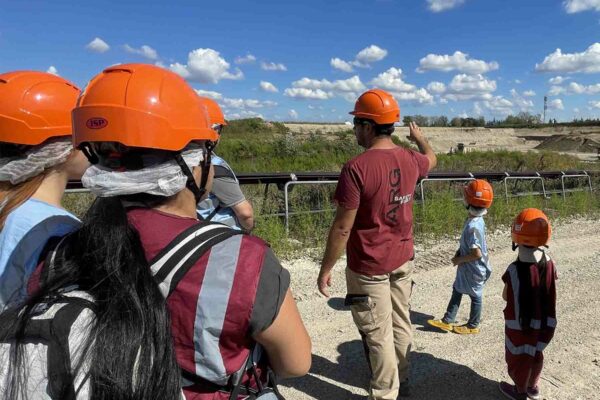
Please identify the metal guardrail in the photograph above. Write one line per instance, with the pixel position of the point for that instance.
(286, 198)
(281, 178)
(285, 181)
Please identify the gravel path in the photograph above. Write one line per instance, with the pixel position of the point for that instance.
(449, 366)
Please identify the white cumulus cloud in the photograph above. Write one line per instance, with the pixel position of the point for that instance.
(575, 6)
(52, 70)
(443, 5)
(206, 66)
(436, 87)
(557, 80)
(303, 93)
(271, 66)
(210, 94)
(144, 51)
(470, 87)
(98, 46)
(575, 88)
(521, 102)
(352, 84)
(392, 80)
(244, 114)
(363, 59)
(293, 114)
(268, 87)
(556, 104)
(594, 104)
(529, 93)
(498, 105)
(371, 54)
(587, 61)
(247, 103)
(458, 61)
(340, 64)
(247, 59)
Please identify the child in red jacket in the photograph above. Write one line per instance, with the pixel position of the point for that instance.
(530, 313)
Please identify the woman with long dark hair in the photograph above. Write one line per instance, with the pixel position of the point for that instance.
(530, 313)
(36, 161)
(157, 300)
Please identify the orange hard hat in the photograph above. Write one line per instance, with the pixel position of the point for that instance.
(479, 193)
(531, 228)
(377, 105)
(140, 105)
(35, 106)
(215, 114)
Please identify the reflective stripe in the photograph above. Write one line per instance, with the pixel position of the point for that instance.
(166, 282)
(514, 324)
(524, 349)
(535, 324)
(212, 307)
(514, 282)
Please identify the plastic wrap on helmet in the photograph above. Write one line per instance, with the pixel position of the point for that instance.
(166, 179)
(35, 160)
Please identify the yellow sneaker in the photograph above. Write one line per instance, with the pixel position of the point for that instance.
(465, 330)
(438, 323)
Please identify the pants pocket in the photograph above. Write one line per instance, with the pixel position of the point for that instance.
(363, 316)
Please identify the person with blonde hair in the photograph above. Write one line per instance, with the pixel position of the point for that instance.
(36, 161)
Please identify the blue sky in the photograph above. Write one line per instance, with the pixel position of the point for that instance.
(309, 60)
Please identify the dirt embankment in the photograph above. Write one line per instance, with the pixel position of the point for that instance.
(449, 366)
(579, 140)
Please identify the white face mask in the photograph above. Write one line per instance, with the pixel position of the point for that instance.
(532, 255)
(473, 211)
(164, 179)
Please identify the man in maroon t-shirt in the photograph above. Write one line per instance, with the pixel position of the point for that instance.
(374, 222)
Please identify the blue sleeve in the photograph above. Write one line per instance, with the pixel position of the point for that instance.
(474, 237)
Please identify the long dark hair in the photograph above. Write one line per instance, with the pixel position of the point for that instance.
(130, 350)
(533, 293)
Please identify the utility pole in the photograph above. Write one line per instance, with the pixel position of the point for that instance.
(545, 107)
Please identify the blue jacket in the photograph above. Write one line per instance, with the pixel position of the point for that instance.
(26, 232)
(471, 276)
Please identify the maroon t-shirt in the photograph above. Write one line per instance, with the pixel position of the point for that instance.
(380, 183)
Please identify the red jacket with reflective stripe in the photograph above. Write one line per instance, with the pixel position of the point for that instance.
(520, 341)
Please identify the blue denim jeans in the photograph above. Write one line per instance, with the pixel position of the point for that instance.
(454, 304)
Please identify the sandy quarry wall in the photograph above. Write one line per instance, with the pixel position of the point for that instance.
(442, 139)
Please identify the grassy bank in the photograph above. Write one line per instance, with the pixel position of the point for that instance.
(255, 146)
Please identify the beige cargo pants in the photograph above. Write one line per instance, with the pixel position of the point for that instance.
(385, 326)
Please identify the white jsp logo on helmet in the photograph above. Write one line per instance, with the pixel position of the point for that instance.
(518, 227)
(478, 194)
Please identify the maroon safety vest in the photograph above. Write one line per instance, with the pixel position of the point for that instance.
(210, 301)
(520, 341)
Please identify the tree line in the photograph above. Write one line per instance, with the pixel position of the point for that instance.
(521, 120)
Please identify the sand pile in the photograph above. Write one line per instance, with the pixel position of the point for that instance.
(572, 143)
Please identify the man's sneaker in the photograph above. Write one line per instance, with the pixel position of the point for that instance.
(440, 324)
(533, 393)
(404, 390)
(465, 330)
(510, 391)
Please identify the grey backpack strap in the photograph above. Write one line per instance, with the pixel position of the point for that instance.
(176, 259)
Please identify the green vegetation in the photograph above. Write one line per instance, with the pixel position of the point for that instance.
(256, 146)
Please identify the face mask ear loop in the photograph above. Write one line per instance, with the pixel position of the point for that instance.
(191, 183)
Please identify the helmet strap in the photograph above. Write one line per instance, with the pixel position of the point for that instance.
(514, 246)
(89, 153)
(197, 190)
